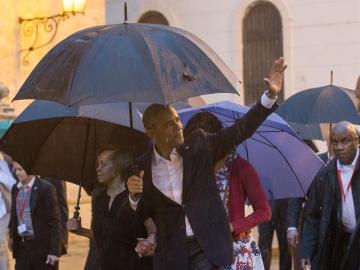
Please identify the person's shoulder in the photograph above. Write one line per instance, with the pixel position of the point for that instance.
(329, 168)
(241, 163)
(97, 192)
(43, 184)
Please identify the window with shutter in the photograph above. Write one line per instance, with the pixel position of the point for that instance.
(262, 44)
(153, 17)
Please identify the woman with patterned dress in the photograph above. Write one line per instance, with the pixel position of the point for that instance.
(237, 182)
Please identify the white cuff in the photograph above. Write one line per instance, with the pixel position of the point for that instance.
(133, 204)
(291, 229)
(267, 102)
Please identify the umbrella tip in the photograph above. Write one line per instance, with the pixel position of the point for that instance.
(125, 13)
(331, 77)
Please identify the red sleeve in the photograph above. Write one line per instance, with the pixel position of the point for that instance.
(250, 183)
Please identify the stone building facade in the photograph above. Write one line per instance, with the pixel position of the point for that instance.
(13, 40)
(315, 36)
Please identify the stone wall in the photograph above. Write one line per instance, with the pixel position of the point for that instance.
(13, 72)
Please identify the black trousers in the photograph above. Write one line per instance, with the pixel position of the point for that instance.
(29, 258)
(197, 258)
(266, 233)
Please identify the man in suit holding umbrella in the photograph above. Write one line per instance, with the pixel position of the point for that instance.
(177, 183)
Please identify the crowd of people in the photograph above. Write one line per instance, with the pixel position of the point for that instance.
(183, 208)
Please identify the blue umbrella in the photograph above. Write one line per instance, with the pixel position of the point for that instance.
(129, 62)
(312, 131)
(326, 104)
(276, 152)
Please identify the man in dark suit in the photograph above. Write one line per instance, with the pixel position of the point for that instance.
(35, 236)
(331, 220)
(178, 186)
(60, 188)
(295, 209)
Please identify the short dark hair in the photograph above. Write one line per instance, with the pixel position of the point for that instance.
(121, 157)
(152, 112)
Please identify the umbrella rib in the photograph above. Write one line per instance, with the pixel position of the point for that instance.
(257, 140)
(297, 179)
(151, 58)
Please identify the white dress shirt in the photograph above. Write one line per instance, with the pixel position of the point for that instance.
(348, 210)
(30, 185)
(167, 175)
(6, 179)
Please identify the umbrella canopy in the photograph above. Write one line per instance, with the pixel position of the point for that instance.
(128, 63)
(53, 140)
(312, 131)
(280, 158)
(327, 104)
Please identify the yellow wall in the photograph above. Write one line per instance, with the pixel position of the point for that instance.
(12, 70)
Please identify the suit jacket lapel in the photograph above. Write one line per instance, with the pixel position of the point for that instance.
(34, 195)
(334, 182)
(355, 189)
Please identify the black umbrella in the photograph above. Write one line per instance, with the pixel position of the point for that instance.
(128, 63)
(327, 104)
(53, 140)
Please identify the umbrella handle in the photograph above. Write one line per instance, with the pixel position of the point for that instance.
(135, 171)
(77, 206)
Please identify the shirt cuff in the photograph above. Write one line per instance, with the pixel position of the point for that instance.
(267, 102)
(133, 204)
(291, 229)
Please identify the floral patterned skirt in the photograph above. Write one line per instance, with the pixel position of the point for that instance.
(247, 255)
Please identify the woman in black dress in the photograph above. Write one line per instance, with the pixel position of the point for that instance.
(115, 226)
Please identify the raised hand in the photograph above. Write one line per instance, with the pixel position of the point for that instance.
(275, 79)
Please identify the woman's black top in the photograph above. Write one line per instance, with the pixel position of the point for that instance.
(115, 233)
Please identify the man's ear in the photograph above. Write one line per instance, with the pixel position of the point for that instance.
(150, 133)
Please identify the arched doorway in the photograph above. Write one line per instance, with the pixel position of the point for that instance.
(153, 17)
(262, 44)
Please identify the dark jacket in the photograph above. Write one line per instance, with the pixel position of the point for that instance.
(312, 215)
(326, 233)
(45, 218)
(200, 199)
(60, 188)
(352, 259)
(115, 232)
(294, 212)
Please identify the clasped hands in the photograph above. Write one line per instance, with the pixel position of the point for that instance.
(146, 246)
